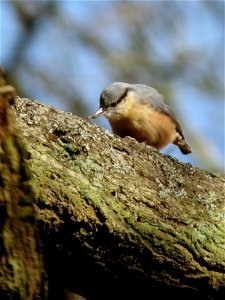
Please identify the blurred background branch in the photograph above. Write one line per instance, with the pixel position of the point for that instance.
(64, 53)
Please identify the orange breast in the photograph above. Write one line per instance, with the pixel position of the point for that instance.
(145, 125)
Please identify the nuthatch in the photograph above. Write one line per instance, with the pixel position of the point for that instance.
(138, 111)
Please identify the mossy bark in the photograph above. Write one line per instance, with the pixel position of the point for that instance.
(22, 273)
(117, 215)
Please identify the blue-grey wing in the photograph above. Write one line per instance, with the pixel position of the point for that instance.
(155, 99)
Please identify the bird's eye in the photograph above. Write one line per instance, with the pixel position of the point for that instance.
(114, 104)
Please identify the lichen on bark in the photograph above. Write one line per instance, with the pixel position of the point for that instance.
(113, 211)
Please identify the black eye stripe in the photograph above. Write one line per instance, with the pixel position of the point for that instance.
(120, 98)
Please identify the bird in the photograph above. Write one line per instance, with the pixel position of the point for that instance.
(139, 111)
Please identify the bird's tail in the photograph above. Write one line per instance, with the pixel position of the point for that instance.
(183, 146)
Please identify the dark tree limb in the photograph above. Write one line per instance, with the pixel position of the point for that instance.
(22, 273)
(120, 220)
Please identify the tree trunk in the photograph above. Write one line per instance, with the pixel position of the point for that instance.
(22, 274)
(118, 219)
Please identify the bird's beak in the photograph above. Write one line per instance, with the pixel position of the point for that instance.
(98, 113)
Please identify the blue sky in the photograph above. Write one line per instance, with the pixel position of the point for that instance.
(203, 112)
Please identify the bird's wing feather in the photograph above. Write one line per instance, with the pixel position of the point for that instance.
(155, 99)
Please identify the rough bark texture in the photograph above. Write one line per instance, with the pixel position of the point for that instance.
(120, 220)
(22, 273)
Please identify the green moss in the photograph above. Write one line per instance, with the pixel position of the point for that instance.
(69, 147)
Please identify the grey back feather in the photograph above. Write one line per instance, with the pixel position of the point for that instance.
(156, 100)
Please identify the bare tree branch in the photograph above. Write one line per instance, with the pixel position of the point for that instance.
(118, 216)
(22, 274)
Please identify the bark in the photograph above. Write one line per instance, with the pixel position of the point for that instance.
(22, 274)
(119, 220)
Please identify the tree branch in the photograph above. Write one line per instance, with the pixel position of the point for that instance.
(117, 215)
(22, 274)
